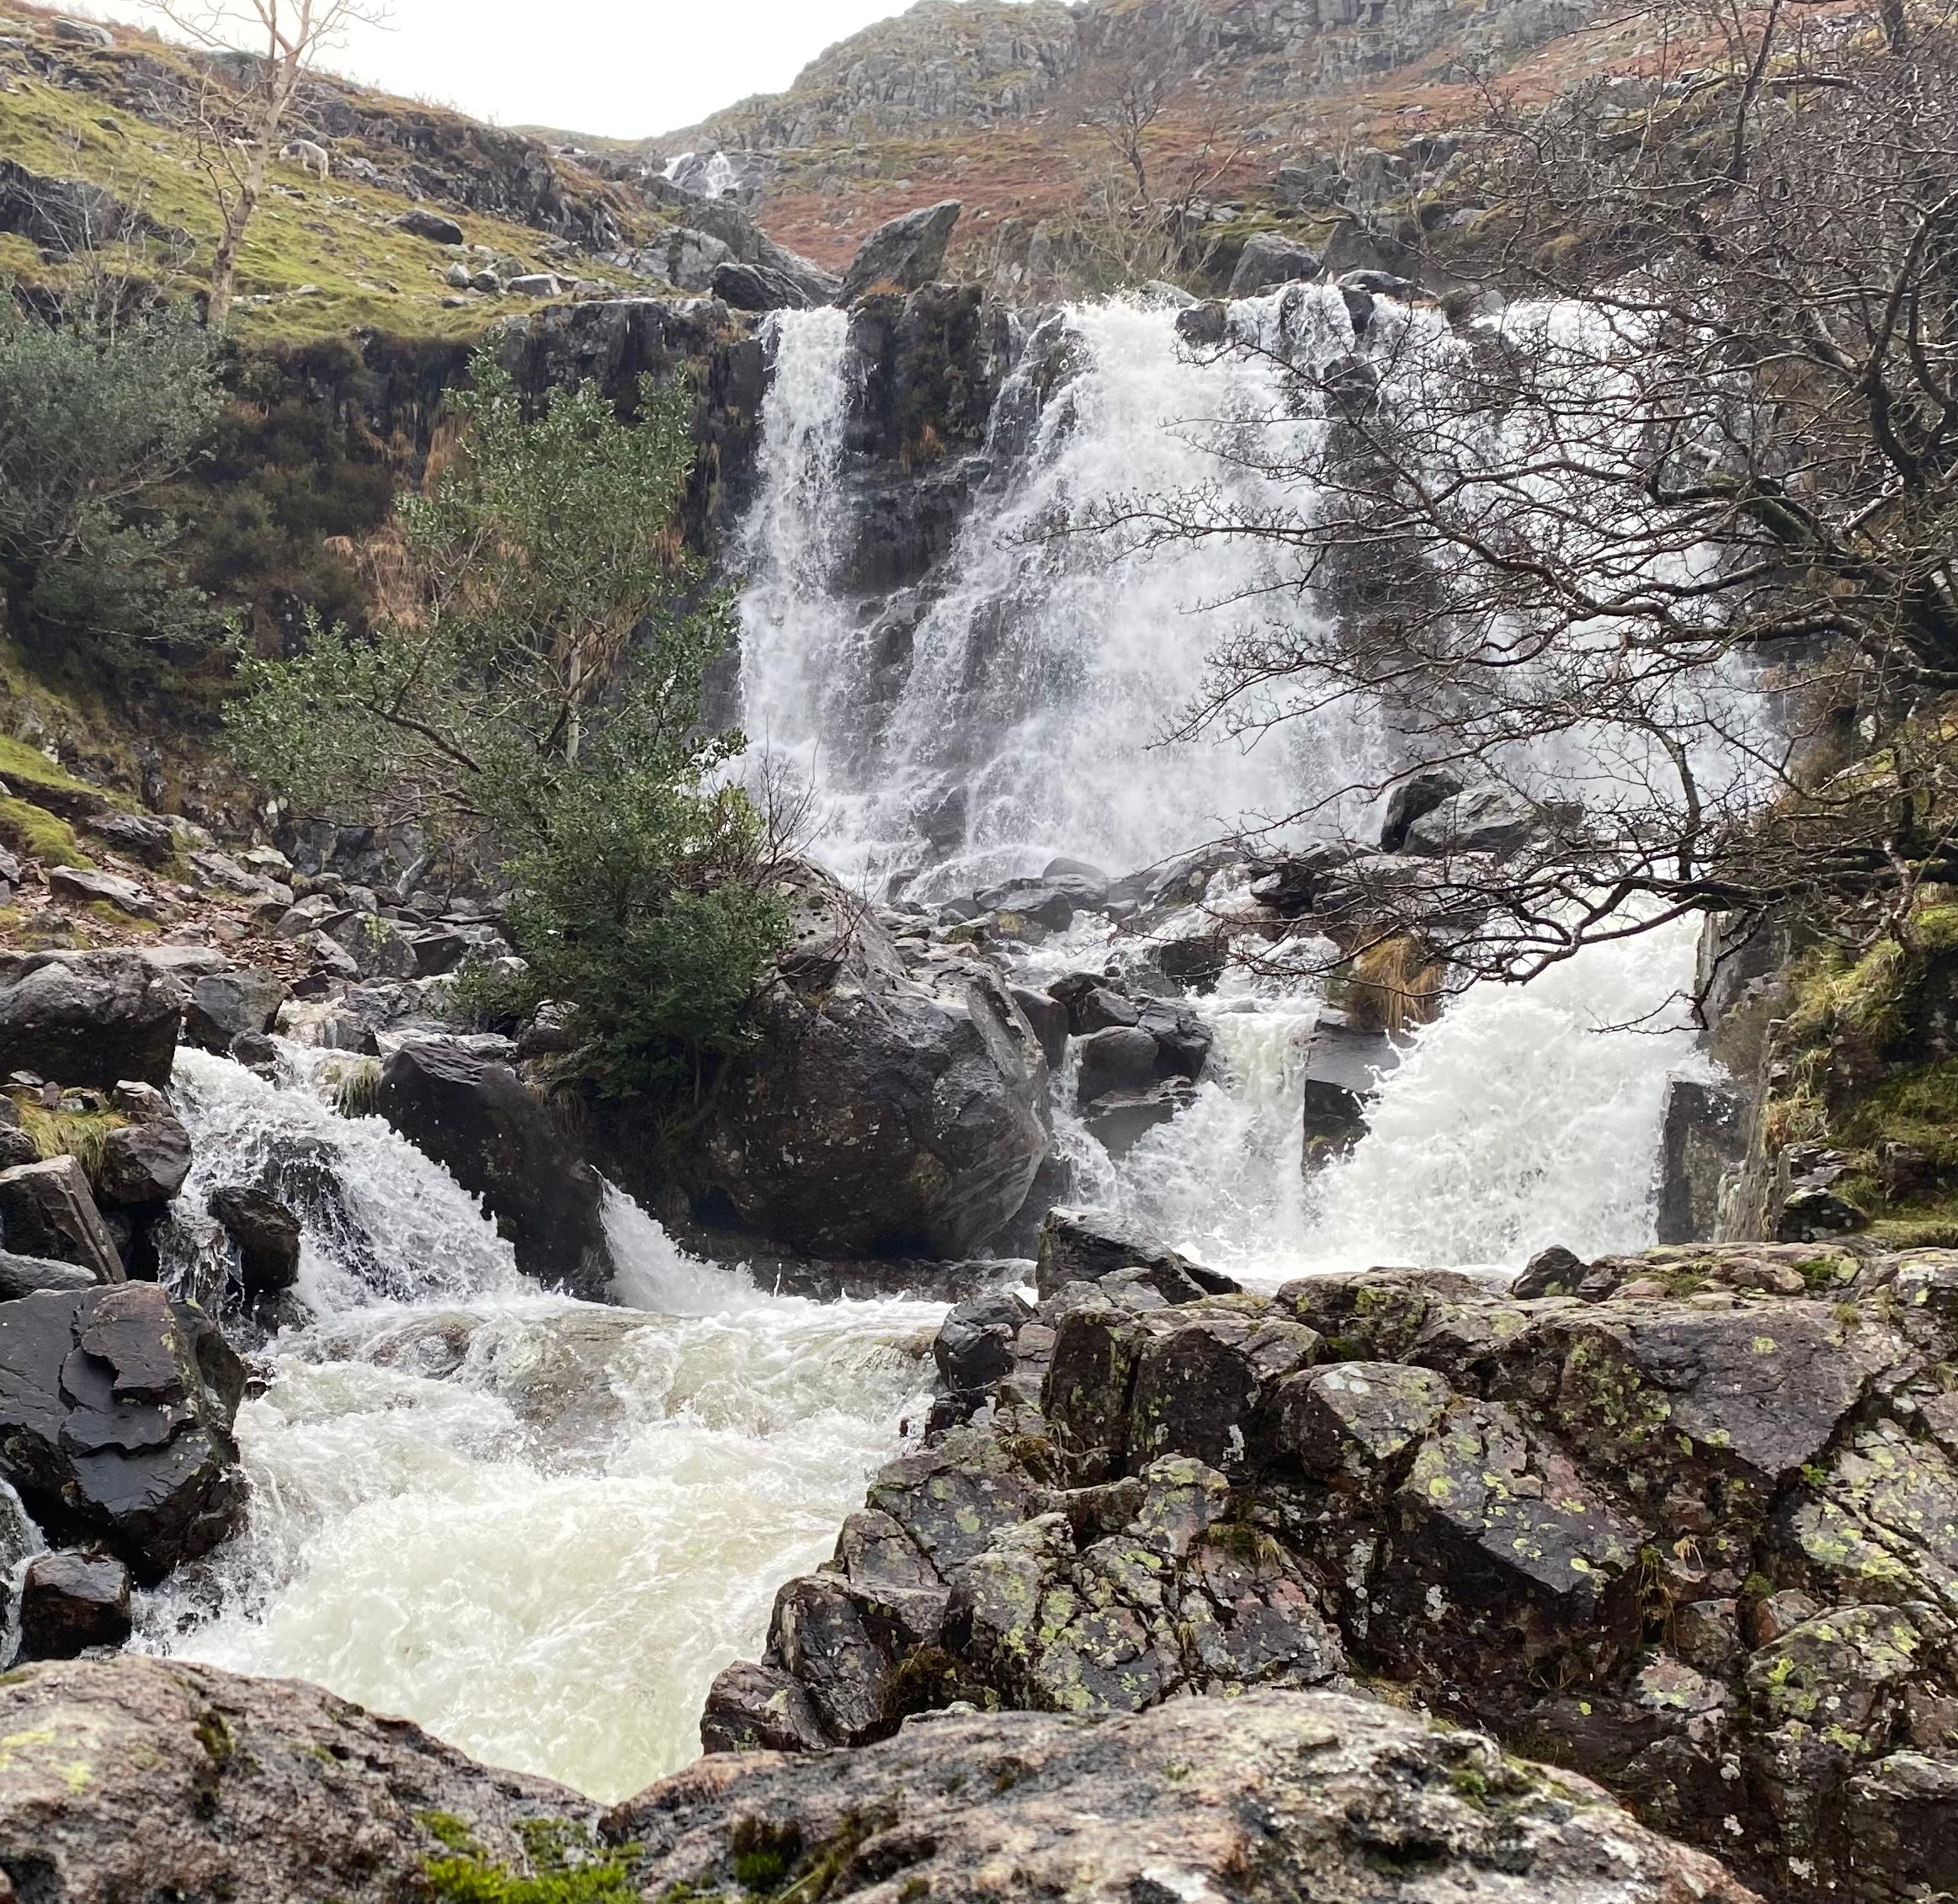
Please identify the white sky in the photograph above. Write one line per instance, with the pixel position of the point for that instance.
(624, 68)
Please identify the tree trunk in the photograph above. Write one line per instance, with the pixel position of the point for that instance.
(224, 265)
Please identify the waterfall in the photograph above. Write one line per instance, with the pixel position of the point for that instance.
(538, 1527)
(1025, 718)
(1040, 675)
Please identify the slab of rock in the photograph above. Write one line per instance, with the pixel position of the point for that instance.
(70, 1601)
(25, 1275)
(89, 1019)
(422, 223)
(47, 1209)
(225, 1005)
(86, 887)
(497, 1137)
(115, 1416)
(907, 252)
(125, 1776)
(1265, 1800)
(1080, 1245)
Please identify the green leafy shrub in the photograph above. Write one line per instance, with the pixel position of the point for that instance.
(540, 708)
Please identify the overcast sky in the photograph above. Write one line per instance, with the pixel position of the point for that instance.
(625, 68)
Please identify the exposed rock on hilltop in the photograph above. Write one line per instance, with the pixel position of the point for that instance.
(1683, 1522)
(124, 1776)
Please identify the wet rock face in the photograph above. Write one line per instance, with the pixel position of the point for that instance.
(1681, 1521)
(89, 1019)
(144, 1778)
(1273, 1796)
(495, 1136)
(895, 1104)
(115, 1416)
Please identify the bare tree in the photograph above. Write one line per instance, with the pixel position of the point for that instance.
(1652, 551)
(244, 104)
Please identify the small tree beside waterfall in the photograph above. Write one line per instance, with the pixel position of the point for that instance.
(534, 695)
(1650, 551)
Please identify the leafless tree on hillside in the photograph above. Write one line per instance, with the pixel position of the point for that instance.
(242, 108)
(1664, 555)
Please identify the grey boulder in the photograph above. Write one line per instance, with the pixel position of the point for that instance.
(907, 253)
(894, 1105)
(47, 1209)
(116, 1422)
(89, 1019)
(225, 1006)
(497, 1137)
(1268, 261)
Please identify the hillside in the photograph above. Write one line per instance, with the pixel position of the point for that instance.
(996, 102)
(86, 110)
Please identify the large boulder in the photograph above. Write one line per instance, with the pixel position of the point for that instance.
(224, 1006)
(266, 1235)
(1268, 1798)
(907, 253)
(89, 1019)
(140, 1777)
(1268, 260)
(1080, 1245)
(47, 1209)
(497, 1138)
(116, 1422)
(146, 1160)
(896, 1103)
(70, 1601)
(127, 1775)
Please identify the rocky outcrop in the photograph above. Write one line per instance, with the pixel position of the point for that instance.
(127, 1776)
(1265, 1799)
(126, 1773)
(895, 1104)
(497, 1138)
(904, 254)
(1684, 1527)
(89, 1019)
(116, 1422)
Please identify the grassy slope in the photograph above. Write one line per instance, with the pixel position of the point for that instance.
(340, 238)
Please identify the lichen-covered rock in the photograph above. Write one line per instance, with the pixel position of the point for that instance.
(1266, 1799)
(115, 1417)
(1685, 1521)
(144, 1778)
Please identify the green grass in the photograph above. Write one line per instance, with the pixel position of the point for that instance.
(35, 833)
(29, 772)
(80, 1135)
(339, 237)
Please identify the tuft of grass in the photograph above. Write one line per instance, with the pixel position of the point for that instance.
(35, 833)
(569, 1867)
(80, 1135)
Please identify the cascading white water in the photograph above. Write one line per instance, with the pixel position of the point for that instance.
(1039, 679)
(1042, 674)
(540, 1527)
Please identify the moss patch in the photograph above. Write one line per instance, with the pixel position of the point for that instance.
(568, 1867)
(37, 834)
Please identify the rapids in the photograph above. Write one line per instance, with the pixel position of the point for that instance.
(540, 1527)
